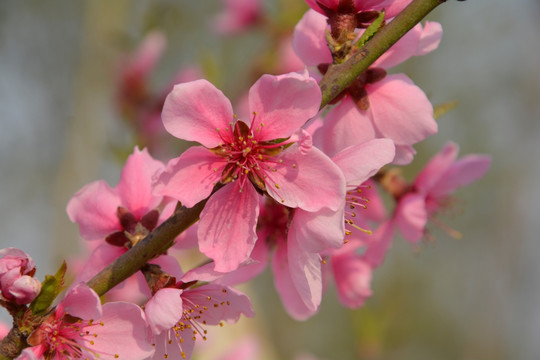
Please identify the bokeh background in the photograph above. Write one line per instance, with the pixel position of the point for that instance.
(477, 298)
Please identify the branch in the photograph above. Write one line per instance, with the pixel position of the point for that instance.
(338, 77)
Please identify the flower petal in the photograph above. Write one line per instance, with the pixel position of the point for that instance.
(309, 41)
(283, 104)
(227, 226)
(317, 231)
(194, 110)
(462, 172)
(164, 309)
(411, 216)
(82, 302)
(436, 168)
(196, 165)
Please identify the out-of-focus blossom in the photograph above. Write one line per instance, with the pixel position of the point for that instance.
(238, 16)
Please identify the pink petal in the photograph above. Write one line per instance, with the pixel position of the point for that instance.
(135, 186)
(223, 303)
(195, 110)
(290, 297)
(227, 226)
(402, 50)
(404, 155)
(344, 125)
(164, 309)
(309, 41)
(401, 111)
(353, 279)
(196, 165)
(360, 162)
(411, 216)
(173, 350)
(436, 167)
(430, 38)
(380, 243)
(317, 231)
(283, 104)
(392, 7)
(462, 172)
(101, 257)
(82, 302)
(299, 176)
(25, 289)
(93, 208)
(124, 335)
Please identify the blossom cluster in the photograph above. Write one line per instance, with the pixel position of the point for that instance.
(279, 181)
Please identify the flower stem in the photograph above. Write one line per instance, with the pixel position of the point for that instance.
(338, 77)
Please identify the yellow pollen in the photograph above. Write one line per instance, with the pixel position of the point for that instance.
(277, 186)
(294, 166)
(116, 356)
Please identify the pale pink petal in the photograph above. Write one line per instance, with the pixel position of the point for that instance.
(309, 41)
(401, 111)
(402, 50)
(300, 176)
(247, 349)
(82, 302)
(135, 186)
(195, 110)
(93, 208)
(316, 231)
(283, 104)
(430, 38)
(305, 270)
(290, 297)
(197, 166)
(404, 155)
(124, 335)
(31, 353)
(164, 309)
(169, 264)
(411, 216)
(462, 172)
(380, 243)
(223, 303)
(344, 125)
(147, 55)
(360, 162)
(353, 279)
(227, 226)
(101, 257)
(436, 168)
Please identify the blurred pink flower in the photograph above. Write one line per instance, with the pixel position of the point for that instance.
(432, 189)
(331, 7)
(238, 15)
(270, 154)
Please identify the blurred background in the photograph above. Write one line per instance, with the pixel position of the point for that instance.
(473, 299)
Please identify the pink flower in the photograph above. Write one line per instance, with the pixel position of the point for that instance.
(178, 317)
(270, 154)
(239, 15)
(375, 105)
(80, 327)
(331, 7)
(115, 219)
(17, 281)
(432, 189)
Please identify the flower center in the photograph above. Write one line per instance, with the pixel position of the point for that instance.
(353, 201)
(134, 230)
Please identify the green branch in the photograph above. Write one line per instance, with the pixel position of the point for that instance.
(338, 77)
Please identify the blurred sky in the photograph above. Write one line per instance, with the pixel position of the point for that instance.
(475, 298)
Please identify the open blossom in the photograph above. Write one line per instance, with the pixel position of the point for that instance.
(81, 328)
(375, 105)
(179, 317)
(432, 189)
(269, 154)
(115, 219)
(17, 282)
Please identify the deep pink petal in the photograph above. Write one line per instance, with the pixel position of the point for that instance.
(360, 162)
(227, 226)
(283, 104)
(93, 208)
(164, 309)
(222, 303)
(124, 335)
(411, 216)
(196, 165)
(462, 172)
(290, 297)
(194, 110)
(135, 186)
(436, 168)
(401, 111)
(309, 41)
(300, 176)
(391, 7)
(82, 302)
(316, 231)
(344, 125)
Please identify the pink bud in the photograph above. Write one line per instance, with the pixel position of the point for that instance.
(16, 281)
(25, 289)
